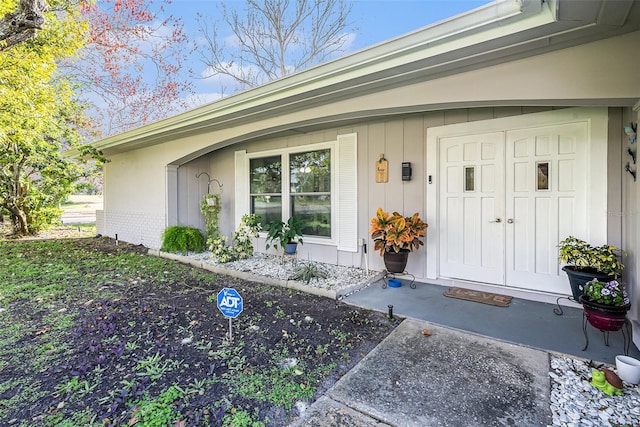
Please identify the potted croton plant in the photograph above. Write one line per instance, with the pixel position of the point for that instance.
(585, 262)
(395, 236)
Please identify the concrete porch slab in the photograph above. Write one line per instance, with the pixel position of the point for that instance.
(449, 378)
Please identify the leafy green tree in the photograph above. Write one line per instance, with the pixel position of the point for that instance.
(39, 119)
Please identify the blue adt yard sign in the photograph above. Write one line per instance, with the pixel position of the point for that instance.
(229, 302)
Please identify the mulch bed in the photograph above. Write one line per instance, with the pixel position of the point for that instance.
(124, 342)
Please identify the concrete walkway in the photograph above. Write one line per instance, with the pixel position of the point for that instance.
(482, 365)
(448, 378)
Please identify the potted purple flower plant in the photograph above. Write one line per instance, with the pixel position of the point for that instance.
(605, 304)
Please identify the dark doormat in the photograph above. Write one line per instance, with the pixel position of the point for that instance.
(479, 296)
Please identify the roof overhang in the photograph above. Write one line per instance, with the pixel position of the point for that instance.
(501, 31)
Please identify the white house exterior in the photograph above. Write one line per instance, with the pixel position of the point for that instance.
(512, 119)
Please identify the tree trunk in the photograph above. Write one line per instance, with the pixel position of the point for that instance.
(19, 219)
(14, 203)
(22, 24)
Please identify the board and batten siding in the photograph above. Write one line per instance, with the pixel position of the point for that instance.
(399, 139)
(629, 214)
(190, 191)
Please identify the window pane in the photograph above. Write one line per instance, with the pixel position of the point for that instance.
(311, 172)
(266, 175)
(315, 212)
(268, 207)
(542, 176)
(469, 178)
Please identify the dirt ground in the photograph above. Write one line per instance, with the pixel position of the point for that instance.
(122, 338)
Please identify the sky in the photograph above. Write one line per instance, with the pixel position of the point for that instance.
(375, 20)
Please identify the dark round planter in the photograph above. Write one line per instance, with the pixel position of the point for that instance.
(396, 262)
(578, 278)
(604, 317)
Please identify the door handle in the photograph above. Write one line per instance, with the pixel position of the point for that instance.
(497, 220)
(510, 220)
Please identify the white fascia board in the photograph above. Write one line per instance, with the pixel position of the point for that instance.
(490, 22)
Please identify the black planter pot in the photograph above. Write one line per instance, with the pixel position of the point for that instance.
(602, 316)
(578, 278)
(396, 262)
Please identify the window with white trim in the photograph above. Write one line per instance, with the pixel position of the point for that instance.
(306, 188)
(318, 182)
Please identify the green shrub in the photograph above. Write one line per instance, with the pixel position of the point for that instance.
(243, 246)
(43, 218)
(181, 238)
(242, 239)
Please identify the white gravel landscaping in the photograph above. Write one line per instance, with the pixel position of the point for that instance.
(339, 280)
(575, 402)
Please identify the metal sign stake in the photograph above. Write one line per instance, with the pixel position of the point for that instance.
(230, 305)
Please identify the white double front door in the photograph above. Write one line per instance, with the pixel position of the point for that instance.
(506, 198)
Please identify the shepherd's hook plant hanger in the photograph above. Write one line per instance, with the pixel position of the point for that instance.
(209, 181)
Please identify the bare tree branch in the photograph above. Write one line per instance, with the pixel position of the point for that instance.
(22, 24)
(274, 38)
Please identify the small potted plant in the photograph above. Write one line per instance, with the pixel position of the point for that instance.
(585, 262)
(395, 236)
(287, 234)
(211, 199)
(210, 207)
(605, 304)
